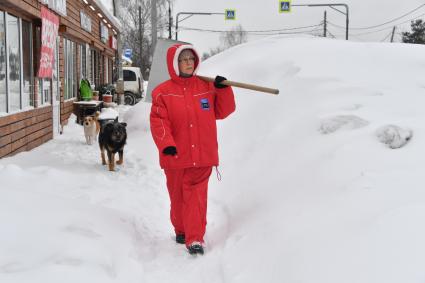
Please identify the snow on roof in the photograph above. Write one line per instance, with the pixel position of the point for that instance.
(107, 7)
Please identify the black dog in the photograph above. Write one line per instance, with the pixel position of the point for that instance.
(112, 138)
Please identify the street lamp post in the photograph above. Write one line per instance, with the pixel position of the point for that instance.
(332, 6)
(190, 15)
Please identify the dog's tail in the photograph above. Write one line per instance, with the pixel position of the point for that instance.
(97, 114)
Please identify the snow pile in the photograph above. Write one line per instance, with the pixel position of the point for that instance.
(308, 194)
(394, 136)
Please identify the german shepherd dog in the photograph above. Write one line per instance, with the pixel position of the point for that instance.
(112, 138)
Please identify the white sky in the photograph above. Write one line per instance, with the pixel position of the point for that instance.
(263, 15)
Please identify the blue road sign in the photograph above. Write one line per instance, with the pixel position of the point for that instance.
(128, 53)
(230, 14)
(284, 6)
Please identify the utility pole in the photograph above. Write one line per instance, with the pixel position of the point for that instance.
(392, 35)
(332, 6)
(154, 21)
(170, 20)
(324, 25)
(141, 37)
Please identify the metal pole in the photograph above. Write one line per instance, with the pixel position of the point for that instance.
(169, 19)
(191, 13)
(332, 6)
(392, 35)
(346, 22)
(140, 34)
(177, 24)
(324, 25)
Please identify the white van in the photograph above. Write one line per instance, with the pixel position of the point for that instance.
(133, 85)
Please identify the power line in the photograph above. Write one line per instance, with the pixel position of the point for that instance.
(386, 37)
(392, 27)
(328, 31)
(253, 31)
(409, 20)
(388, 22)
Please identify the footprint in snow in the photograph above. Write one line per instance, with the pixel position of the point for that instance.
(341, 122)
(394, 136)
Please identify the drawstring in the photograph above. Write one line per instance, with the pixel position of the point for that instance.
(218, 174)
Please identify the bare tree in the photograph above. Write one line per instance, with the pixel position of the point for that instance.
(235, 36)
(138, 33)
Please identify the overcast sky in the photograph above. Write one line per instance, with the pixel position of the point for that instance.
(256, 15)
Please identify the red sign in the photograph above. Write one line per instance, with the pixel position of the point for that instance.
(113, 42)
(49, 33)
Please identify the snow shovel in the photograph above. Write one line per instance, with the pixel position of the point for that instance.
(243, 85)
(159, 70)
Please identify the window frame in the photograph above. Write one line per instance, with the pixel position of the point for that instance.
(31, 103)
(70, 69)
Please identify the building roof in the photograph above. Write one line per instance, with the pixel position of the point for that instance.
(107, 7)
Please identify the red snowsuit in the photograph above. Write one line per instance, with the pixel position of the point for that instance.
(183, 114)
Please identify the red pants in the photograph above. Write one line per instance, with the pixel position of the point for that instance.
(188, 189)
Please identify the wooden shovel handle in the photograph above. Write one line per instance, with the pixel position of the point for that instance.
(243, 85)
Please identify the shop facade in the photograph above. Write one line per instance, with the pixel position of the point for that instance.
(35, 108)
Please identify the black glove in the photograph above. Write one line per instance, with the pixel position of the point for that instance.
(218, 80)
(170, 150)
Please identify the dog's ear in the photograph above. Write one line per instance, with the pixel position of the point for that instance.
(124, 124)
(116, 120)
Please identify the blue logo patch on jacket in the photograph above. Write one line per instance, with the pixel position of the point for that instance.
(205, 105)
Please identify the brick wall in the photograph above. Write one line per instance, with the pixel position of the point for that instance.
(25, 130)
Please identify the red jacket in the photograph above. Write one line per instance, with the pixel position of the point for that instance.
(184, 113)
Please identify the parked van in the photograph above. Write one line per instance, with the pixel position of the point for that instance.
(133, 85)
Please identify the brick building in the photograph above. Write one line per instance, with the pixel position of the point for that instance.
(34, 110)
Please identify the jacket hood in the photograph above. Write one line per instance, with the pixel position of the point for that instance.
(173, 62)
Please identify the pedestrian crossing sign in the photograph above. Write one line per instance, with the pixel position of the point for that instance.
(230, 14)
(284, 6)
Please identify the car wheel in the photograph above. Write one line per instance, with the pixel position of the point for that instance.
(129, 99)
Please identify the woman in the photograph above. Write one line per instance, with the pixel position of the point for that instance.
(183, 125)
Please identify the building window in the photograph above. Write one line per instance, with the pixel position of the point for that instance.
(70, 56)
(16, 57)
(27, 67)
(97, 68)
(89, 64)
(55, 81)
(83, 61)
(43, 90)
(94, 72)
(3, 96)
(101, 69)
(14, 66)
(106, 70)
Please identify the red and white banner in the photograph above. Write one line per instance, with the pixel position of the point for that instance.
(113, 42)
(49, 33)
